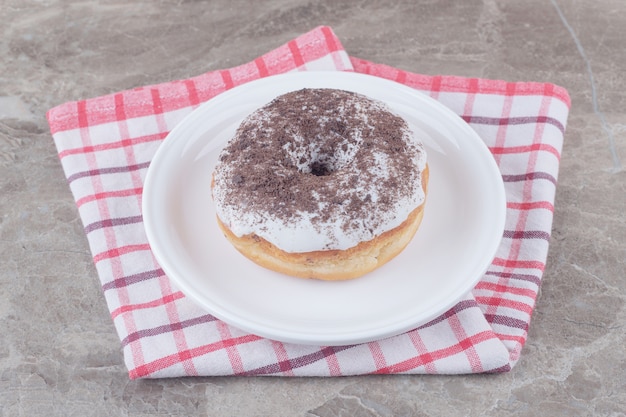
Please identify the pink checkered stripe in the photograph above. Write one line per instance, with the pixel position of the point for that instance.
(105, 145)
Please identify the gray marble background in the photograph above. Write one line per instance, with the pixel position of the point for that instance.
(63, 358)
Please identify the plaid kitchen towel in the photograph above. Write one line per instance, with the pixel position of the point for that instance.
(105, 145)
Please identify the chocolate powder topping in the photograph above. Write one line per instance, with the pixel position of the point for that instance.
(329, 153)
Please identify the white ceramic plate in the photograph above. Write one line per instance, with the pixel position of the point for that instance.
(460, 232)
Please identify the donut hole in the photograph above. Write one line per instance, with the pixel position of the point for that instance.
(319, 165)
(322, 165)
(321, 161)
(321, 169)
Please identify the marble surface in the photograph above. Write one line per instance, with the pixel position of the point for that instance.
(63, 358)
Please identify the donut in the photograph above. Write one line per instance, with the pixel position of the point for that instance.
(321, 183)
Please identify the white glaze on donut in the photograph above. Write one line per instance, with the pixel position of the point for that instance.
(319, 169)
